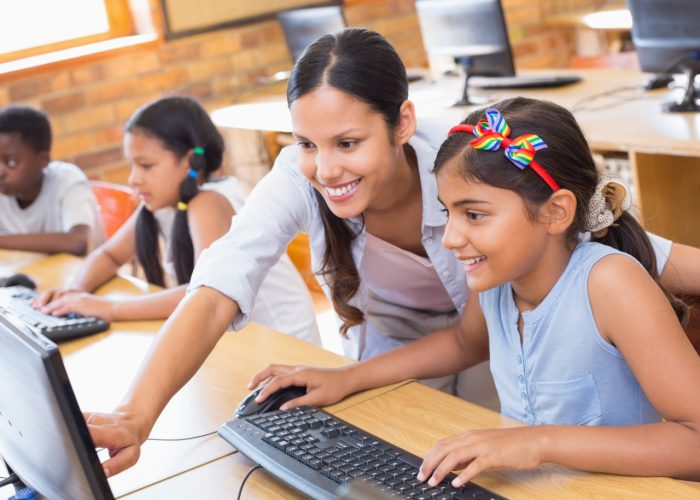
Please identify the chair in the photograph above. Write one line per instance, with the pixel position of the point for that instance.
(116, 203)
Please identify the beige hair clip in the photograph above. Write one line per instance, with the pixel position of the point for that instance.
(610, 199)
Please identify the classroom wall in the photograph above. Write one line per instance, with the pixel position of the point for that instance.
(89, 101)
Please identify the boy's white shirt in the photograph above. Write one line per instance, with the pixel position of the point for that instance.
(66, 200)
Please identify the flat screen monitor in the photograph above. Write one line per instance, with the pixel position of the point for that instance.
(43, 436)
(303, 26)
(666, 35)
(447, 25)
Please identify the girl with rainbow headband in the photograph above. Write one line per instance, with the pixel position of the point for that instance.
(602, 386)
(174, 149)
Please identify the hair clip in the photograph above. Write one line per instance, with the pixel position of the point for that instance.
(181, 205)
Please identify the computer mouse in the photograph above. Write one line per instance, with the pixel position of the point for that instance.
(249, 406)
(18, 280)
(657, 82)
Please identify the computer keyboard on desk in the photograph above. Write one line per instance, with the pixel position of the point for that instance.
(17, 299)
(315, 452)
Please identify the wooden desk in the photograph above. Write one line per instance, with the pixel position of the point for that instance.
(664, 148)
(414, 417)
(102, 366)
(11, 261)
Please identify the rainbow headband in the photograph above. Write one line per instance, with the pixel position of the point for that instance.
(493, 132)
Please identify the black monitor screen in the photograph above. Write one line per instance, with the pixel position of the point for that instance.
(665, 33)
(449, 24)
(43, 436)
(303, 26)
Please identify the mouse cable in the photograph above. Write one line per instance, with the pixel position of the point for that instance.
(252, 469)
(98, 450)
(184, 438)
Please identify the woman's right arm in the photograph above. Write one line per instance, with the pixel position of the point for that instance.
(178, 351)
(441, 353)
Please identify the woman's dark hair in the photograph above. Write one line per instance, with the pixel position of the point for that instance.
(364, 65)
(567, 159)
(183, 126)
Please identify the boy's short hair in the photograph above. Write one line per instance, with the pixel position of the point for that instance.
(31, 124)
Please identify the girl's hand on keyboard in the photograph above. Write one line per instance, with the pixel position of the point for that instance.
(43, 298)
(81, 303)
(477, 451)
(323, 386)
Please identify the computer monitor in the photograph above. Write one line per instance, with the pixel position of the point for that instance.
(303, 26)
(43, 436)
(667, 38)
(473, 32)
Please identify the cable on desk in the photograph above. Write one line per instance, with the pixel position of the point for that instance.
(98, 450)
(580, 105)
(252, 469)
(183, 439)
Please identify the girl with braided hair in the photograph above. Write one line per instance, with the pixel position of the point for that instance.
(174, 149)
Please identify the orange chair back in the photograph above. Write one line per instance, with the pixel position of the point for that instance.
(116, 202)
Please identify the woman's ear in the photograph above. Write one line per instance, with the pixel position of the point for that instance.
(559, 211)
(407, 123)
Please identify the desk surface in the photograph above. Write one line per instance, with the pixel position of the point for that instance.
(414, 417)
(622, 120)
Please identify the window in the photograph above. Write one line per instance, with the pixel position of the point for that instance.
(32, 27)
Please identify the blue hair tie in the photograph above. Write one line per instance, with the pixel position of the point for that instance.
(192, 173)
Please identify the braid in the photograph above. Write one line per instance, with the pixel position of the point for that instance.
(181, 243)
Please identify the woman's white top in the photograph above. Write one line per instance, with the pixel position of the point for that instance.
(403, 278)
(283, 302)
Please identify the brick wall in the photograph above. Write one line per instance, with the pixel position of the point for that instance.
(88, 102)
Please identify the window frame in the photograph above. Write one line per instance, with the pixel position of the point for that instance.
(120, 24)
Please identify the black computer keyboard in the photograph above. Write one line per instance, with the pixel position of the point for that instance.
(316, 452)
(523, 81)
(17, 299)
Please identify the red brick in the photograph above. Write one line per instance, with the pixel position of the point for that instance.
(111, 91)
(94, 159)
(87, 74)
(24, 89)
(65, 103)
(250, 39)
(72, 145)
(109, 135)
(84, 119)
(165, 80)
(201, 90)
(175, 53)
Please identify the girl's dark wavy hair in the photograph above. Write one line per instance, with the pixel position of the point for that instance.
(181, 124)
(364, 65)
(567, 159)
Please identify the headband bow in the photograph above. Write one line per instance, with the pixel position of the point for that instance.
(493, 132)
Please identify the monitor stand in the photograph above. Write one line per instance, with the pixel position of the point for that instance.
(465, 62)
(691, 96)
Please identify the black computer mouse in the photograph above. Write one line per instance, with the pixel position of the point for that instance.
(657, 82)
(18, 280)
(249, 406)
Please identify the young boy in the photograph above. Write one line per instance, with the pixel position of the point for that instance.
(45, 206)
